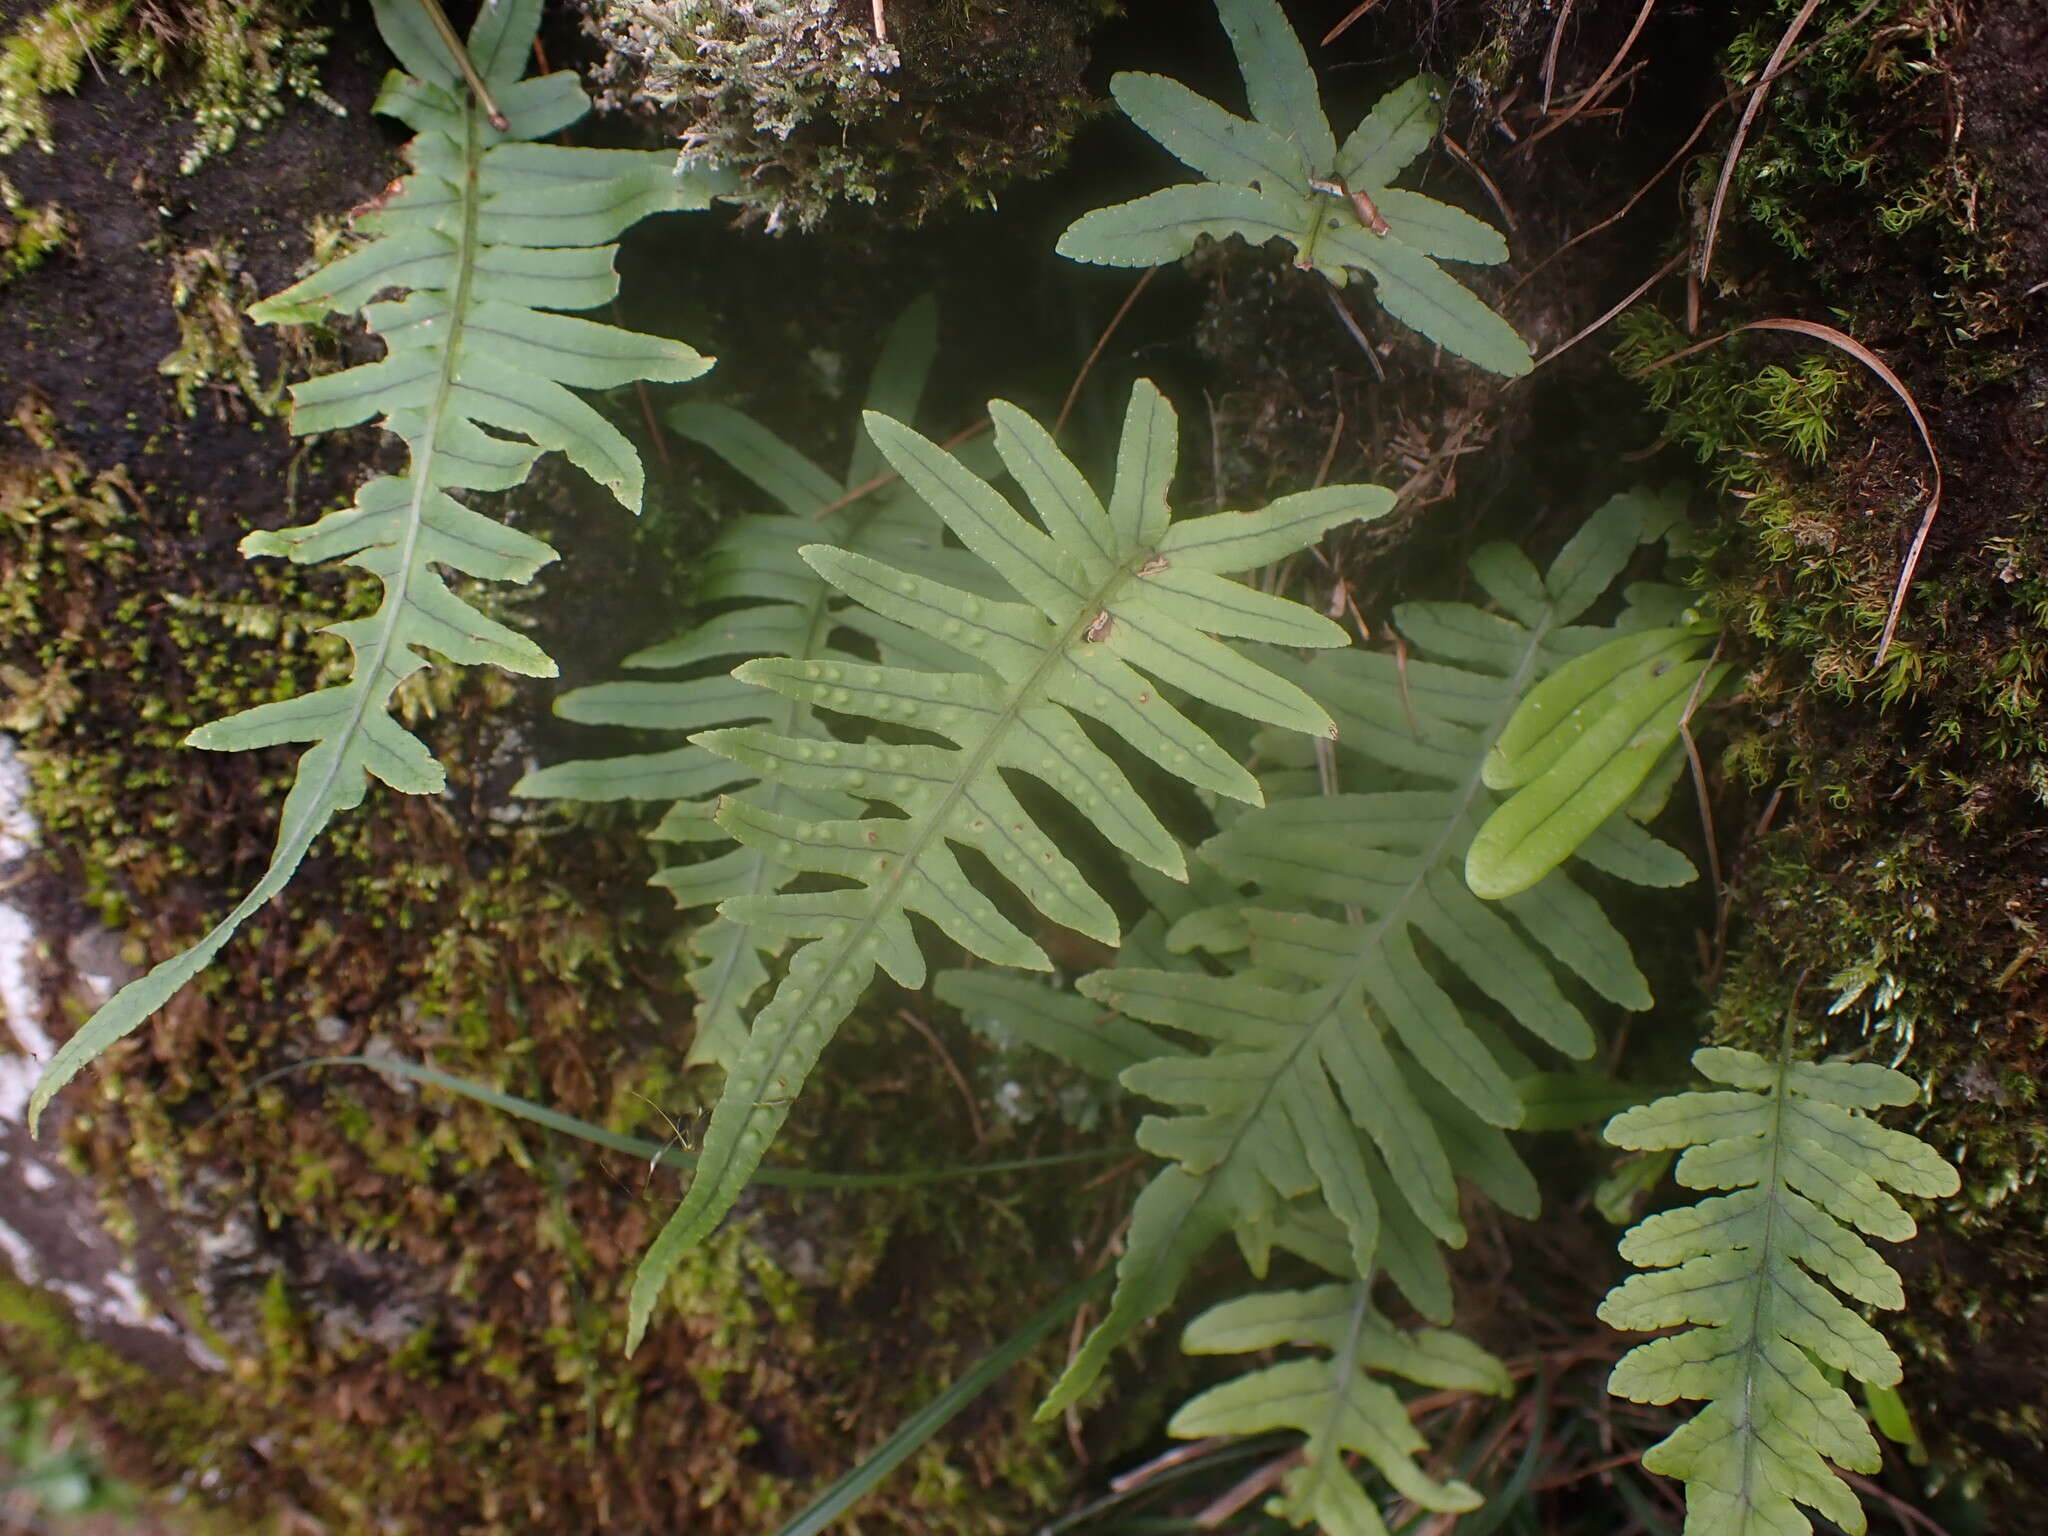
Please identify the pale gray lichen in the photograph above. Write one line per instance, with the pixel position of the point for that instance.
(746, 77)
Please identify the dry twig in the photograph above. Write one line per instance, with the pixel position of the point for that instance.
(1756, 102)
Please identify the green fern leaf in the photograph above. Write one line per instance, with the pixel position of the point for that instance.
(1339, 1069)
(1336, 1402)
(1118, 600)
(490, 233)
(1580, 746)
(1281, 174)
(789, 611)
(1806, 1164)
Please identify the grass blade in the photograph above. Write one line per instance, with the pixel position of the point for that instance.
(934, 1416)
(668, 1153)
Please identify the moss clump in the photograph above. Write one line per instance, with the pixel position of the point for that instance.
(814, 109)
(210, 291)
(228, 65)
(30, 233)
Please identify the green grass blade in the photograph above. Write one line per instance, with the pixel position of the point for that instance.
(935, 1415)
(668, 1153)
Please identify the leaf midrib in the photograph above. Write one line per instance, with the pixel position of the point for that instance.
(1751, 1351)
(1330, 999)
(1344, 1373)
(397, 593)
(934, 822)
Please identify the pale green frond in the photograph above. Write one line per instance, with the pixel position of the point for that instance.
(1278, 83)
(491, 233)
(1281, 175)
(1580, 746)
(1737, 1271)
(1393, 135)
(1084, 1034)
(1344, 1072)
(1339, 1403)
(1411, 287)
(1220, 145)
(788, 611)
(1082, 642)
(1163, 226)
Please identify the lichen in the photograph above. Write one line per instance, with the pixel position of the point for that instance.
(814, 108)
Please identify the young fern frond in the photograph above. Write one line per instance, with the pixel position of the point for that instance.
(1282, 174)
(1335, 1401)
(1793, 1140)
(781, 607)
(1118, 600)
(1341, 1027)
(490, 233)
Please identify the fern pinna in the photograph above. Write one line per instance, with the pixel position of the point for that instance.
(1281, 174)
(490, 233)
(1343, 1087)
(770, 604)
(1118, 600)
(1794, 1143)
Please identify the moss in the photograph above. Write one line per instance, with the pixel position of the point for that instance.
(1888, 887)
(209, 293)
(30, 233)
(814, 110)
(429, 1293)
(44, 57)
(229, 65)
(1845, 146)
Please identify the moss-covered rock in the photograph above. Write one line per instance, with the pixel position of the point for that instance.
(909, 108)
(408, 1308)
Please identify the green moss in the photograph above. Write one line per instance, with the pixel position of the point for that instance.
(1843, 144)
(209, 294)
(228, 65)
(44, 57)
(1886, 891)
(433, 1300)
(30, 233)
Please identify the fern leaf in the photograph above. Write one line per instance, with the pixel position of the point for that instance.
(1339, 1070)
(1337, 1402)
(1102, 609)
(1086, 1035)
(1580, 746)
(789, 611)
(1281, 174)
(1793, 1142)
(490, 232)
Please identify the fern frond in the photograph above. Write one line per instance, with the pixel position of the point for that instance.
(1794, 1142)
(491, 233)
(1579, 748)
(1336, 1402)
(781, 608)
(1118, 600)
(1281, 174)
(1342, 1027)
